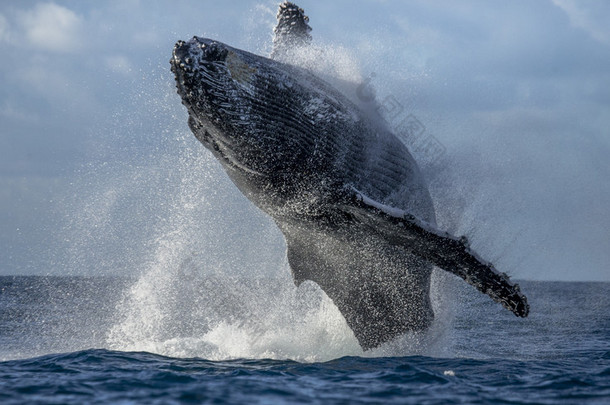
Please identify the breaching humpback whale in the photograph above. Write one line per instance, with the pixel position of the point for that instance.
(345, 192)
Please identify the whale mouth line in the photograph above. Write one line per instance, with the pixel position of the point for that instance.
(222, 145)
(187, 69)
(179, 75)
(206, 70)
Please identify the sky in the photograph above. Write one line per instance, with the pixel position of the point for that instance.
(98, 171)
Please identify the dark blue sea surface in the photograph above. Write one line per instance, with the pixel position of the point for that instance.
(54, 349)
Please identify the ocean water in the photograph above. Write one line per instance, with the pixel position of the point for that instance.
(68, 340)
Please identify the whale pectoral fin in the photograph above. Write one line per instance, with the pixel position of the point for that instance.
(447, 252)
(292, 30)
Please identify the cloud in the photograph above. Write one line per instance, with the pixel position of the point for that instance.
(62, 91)
(118, 64)
(591, 16)
(9, 111)
(518, 99)
(53, 28)
(4, 29)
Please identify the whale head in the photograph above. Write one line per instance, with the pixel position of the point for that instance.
(234, 99)
(215, 85)
(253, 113)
